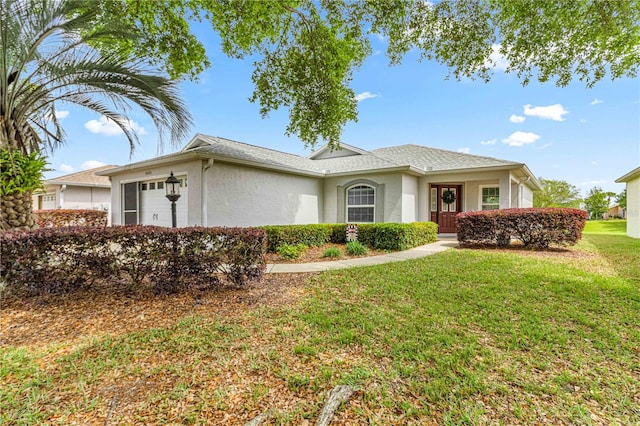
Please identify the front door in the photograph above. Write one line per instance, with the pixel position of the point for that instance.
(446, 203)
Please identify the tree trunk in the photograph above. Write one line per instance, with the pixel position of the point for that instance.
(16, 212)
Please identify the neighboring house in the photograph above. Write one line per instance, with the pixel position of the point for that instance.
(615, 212)
(80, 190)
(632, 179)
(228, 183)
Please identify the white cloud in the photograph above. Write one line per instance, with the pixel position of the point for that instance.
(365, 95)
(65, 168)
(464, 150)
(595, 163)
(489, 142)
(546, 145)
(554, 112)
(521, 138)
(62, 114)
(496, 60)
(596, 101)
(108, 127)
(91, 164)
(582, 120)
(517, 118)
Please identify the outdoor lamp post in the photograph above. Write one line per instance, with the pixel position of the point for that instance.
(172, 186)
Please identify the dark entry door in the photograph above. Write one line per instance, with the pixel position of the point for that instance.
(445, 207)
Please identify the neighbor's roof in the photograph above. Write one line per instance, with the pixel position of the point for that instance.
(633, 174)
(84, 178)
(417, 159)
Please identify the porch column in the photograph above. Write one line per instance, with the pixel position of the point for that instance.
(423, 199)
(505, 191)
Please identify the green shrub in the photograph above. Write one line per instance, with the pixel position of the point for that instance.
(291, 251)
(332, 252)
(356, 248)
(381, 236)
(397, 236)
(309, 235)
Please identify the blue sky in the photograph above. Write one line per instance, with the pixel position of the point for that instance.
(587, 137)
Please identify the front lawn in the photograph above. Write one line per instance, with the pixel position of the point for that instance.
(462, 337)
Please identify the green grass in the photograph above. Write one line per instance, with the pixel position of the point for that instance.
(463, 337)
(611, 227)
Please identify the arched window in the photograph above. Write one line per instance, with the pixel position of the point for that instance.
(361, 201)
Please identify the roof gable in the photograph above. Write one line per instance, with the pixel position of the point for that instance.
(326, 152)
(84, 178)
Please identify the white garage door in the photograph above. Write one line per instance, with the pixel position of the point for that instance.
(155, 208)
(48, 201)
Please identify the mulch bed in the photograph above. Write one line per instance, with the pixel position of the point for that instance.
(314, 254)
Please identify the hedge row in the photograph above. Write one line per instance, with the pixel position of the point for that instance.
(535, 227)
(67, 217)
(59, 260)
(380, 236)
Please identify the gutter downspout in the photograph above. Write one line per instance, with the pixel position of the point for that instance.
(62, 188)
(205, 192)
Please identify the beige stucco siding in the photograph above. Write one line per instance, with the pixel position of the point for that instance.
(243, 196)
(633, 208)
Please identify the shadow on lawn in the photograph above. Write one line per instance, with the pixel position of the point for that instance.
(619, 250)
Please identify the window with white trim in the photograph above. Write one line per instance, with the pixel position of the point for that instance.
(490, 199)
(361, 201)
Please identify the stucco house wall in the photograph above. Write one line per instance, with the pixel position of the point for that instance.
(78, 197)
(410, 198)
(243, 196)
(633, 208)
(632, 179)
(388, 196)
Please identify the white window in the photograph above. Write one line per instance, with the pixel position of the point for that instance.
(490, 199)
(434, 199)
(361, 202)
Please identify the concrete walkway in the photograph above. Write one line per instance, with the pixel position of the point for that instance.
(445, 242)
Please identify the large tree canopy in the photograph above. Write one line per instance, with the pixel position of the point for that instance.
(307, 50)
(557, 193)
(47, 59)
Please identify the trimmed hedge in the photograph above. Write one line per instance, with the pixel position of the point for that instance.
(397, 236)
(61, 260)
(535, 227)
(380, 236)
(68, 217)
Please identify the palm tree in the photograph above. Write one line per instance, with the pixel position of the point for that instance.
(50, 54)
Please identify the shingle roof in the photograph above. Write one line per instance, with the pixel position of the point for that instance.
(435, 159)
(241, 151)
(415, 156)
(84, 178)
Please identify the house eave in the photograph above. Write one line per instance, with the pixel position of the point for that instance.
(158, 161)
(84, 185)
(408, 169)
(198, 155)
(633, 174)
